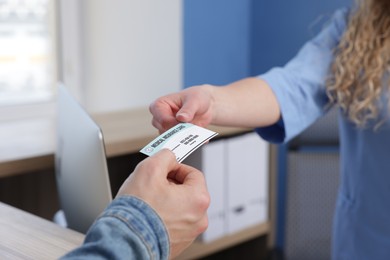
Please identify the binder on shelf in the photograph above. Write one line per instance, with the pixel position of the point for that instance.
(247, 181)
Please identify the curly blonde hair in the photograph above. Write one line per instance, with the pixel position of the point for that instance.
(361, 60)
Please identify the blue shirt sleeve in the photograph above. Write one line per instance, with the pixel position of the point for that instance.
(300, 85)
(127, 229)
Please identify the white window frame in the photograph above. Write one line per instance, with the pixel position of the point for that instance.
(45, 108)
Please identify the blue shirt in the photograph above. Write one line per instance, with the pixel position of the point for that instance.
(127, 229)
(361, 228)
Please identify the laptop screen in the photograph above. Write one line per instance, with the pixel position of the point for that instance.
(81, 164)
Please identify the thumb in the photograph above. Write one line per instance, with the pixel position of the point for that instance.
(163, 162)
(187, 111)
(188, 175)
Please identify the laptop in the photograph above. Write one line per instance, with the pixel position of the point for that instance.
(81, 165)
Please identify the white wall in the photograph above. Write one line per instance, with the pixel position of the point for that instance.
(126, 53)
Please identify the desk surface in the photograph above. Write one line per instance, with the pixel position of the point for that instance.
(28, 145)
(25, 236)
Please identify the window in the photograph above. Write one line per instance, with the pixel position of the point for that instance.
(27, 70)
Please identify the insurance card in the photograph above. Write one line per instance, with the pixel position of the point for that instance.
(182, 139)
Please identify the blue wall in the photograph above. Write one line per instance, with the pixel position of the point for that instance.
(225, 40)
(280, 28)
(217, 35)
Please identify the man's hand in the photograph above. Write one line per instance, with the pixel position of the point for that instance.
(178, 194)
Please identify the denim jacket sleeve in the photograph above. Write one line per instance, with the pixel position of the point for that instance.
(127, 229)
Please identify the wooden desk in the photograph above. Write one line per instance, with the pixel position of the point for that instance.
(25, 236)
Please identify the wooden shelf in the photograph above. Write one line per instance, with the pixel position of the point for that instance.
(199, 249)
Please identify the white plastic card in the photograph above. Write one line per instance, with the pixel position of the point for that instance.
(182, 139)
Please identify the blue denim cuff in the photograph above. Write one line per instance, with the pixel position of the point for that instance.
(143, 221)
